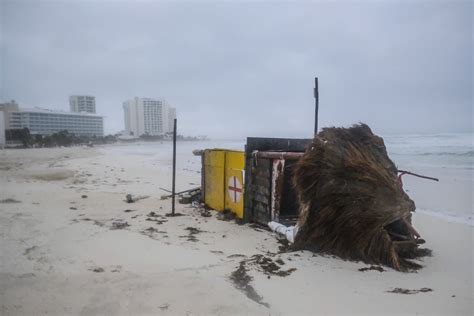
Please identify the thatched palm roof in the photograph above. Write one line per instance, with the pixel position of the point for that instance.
(351, 203)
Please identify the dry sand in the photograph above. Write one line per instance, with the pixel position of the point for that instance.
(60, 253)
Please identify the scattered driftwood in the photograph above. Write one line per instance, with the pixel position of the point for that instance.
(194, 192)
(351, 202)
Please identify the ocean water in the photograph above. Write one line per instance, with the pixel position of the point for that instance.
(439, 151)
(449, 157)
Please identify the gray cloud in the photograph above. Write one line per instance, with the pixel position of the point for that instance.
(238, 69)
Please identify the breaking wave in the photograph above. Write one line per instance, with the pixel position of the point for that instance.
(459, 154)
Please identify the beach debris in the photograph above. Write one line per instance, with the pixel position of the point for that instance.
(97, 269)
(376, 268)
(198, 152)
(153, 217)
(73, 208)
(164, 306)
(9, 201)
(193, 193)
(151, 232)
(205, 213)
(258, 228)
(280, 261)
(84, 196)
(399, 290)
(242, 281)
(185, 199)
(166, 190)
(236, 255)
(157, 221)
(226, 215)
(173, 215)
(130, 199)
(351, 202)
(270, 268)
(29, 250)
(404, 172)
(86, 219)
(200, 207)
(119, 224)
(192, 232)
(284, 245)
(284, 231)
(128, 211)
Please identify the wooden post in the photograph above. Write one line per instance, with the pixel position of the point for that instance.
(173, 189)
(316, 105)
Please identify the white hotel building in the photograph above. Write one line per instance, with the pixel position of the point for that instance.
(47, 122)
(144, 116)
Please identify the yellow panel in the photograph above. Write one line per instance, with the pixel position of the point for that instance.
(234, 182)
(214, 161)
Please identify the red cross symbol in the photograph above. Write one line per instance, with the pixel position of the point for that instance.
(235, 189)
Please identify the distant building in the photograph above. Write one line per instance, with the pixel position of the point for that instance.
(171, 117)
(2, 130)
(47, 122)
(7, 108)
(144, 116)
(82, 103)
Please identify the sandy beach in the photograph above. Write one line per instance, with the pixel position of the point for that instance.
(70, 244)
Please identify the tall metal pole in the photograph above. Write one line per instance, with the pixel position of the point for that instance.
(316, 105)
(173, 189)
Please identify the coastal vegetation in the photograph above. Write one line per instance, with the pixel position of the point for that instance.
(24, 138)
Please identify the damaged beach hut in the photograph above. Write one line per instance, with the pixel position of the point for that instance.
(256, 185)
(340, 189)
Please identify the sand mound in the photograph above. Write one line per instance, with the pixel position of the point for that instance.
(352, 204)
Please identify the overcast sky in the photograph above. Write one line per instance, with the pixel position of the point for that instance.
(234, 69)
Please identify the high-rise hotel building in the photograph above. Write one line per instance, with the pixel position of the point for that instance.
(145, 116)
(82, 103)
